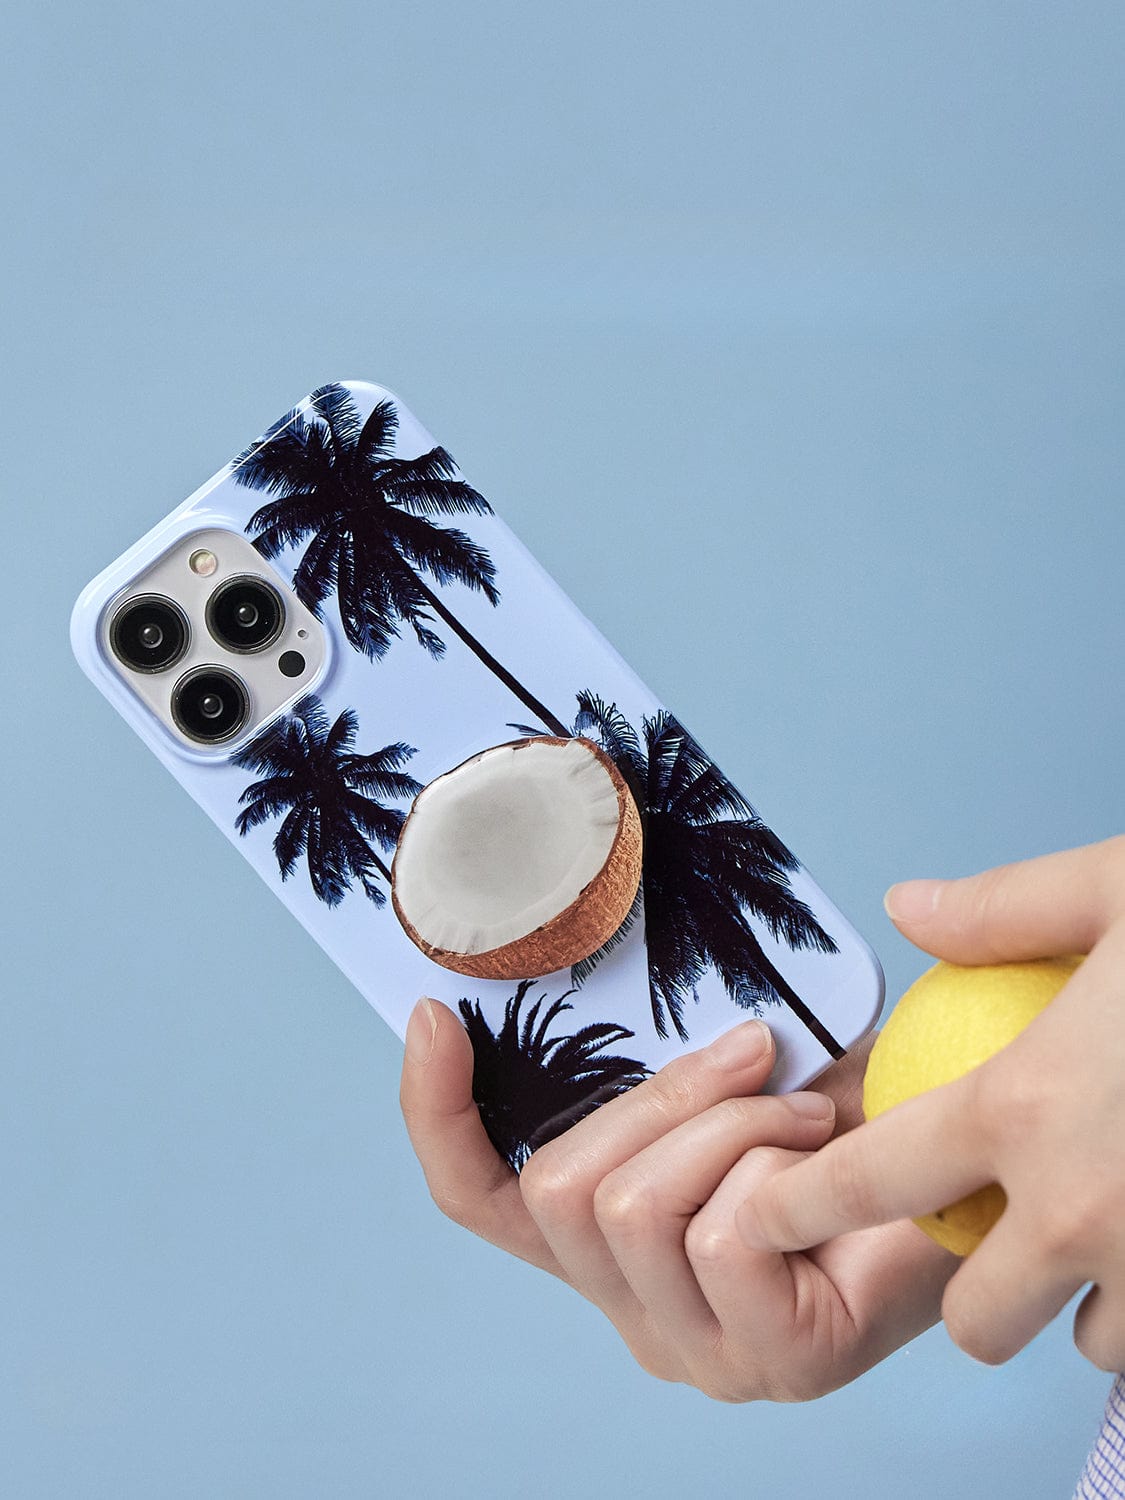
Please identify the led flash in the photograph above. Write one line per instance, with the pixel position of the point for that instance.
(203, 562)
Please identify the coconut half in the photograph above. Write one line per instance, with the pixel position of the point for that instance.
(524, 859)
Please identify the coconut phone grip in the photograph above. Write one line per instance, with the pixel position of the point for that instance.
(592, 898)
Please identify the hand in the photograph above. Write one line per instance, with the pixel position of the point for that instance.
(1045, 1118)
(635, 1207)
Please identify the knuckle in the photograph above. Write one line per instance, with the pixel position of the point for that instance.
(1005, 1105)
(732, 1113)
(675, 1090)
(763, 1208)
(1069, 1230)
(1002, 1103)
(731, 1382)
(729, 1394)
(658, 1368)
(970, 1331)
(453, 1207)
(709, 1242)
(623, 1203)
(653, 1355)
(549, 1188)
(772, 1159)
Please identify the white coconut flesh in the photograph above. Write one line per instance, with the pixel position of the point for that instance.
(500, 854)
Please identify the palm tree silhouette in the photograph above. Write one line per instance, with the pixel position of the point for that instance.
(367, 514)
(530, 1088)
(328, 794)
(710, 864)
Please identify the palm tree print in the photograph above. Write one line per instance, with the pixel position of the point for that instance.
(530, 1087)
(330, 796)
(710, 864)
(367, 517)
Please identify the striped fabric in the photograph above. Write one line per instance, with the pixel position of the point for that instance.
(1103, 1478)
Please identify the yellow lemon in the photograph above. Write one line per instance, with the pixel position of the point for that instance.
(951, 1020)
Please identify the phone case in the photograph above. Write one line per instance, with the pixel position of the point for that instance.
(447, 637)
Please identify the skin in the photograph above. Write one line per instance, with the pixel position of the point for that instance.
(1045, 1118)
(636, 1208)
(761, 1247)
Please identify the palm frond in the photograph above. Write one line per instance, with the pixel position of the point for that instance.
(330, 795)
(315, 575)
(530, 1086)
(581, 971)
(447, 554)
(429, 485)
(324, 864)
(296, 461)
(366, 597)
(383, 824)
(309, 712)
(401, 596)
(281, 524)
(357, 861)
(379, 773)
(341, 737)
(377, 435)
(270, 751)
(290, 839)
(706, 796)
(271, 432)
(265, 799)
(606, 723)
(336, 408)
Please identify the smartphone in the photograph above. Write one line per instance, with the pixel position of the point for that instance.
(453, 781)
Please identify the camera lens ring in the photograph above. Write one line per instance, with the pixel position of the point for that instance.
(210, 705)
(264, 619)
(152, 613)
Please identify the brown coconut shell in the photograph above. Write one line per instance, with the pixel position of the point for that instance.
(580, 929)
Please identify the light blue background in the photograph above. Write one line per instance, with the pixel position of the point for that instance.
(790, 338)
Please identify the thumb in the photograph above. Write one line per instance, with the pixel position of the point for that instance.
(1041, 908)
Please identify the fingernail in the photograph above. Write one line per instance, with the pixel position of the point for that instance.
(420, 1032)
(744, 1045)
(912, 900)
(811, 1105)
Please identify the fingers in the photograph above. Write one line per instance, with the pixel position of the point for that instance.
(1007, 1291)
(915, 1158)
(467, 1179)
(644, 1208)
(1056, 904)
(753, 1293)
(559, 1182)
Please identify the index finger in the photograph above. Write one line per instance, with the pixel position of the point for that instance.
(912, 1160)
(1040, 908)
(467, 1179)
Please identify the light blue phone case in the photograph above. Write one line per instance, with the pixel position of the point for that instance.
(446, 637)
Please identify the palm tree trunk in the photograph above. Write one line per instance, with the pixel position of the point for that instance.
(797, 1005)
(528, 699)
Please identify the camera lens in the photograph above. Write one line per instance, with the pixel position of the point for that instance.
(210, 705)
(149, 633)
(245, 614)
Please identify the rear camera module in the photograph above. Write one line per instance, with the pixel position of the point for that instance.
(245, 614)
(149, 633)
(210, 705)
